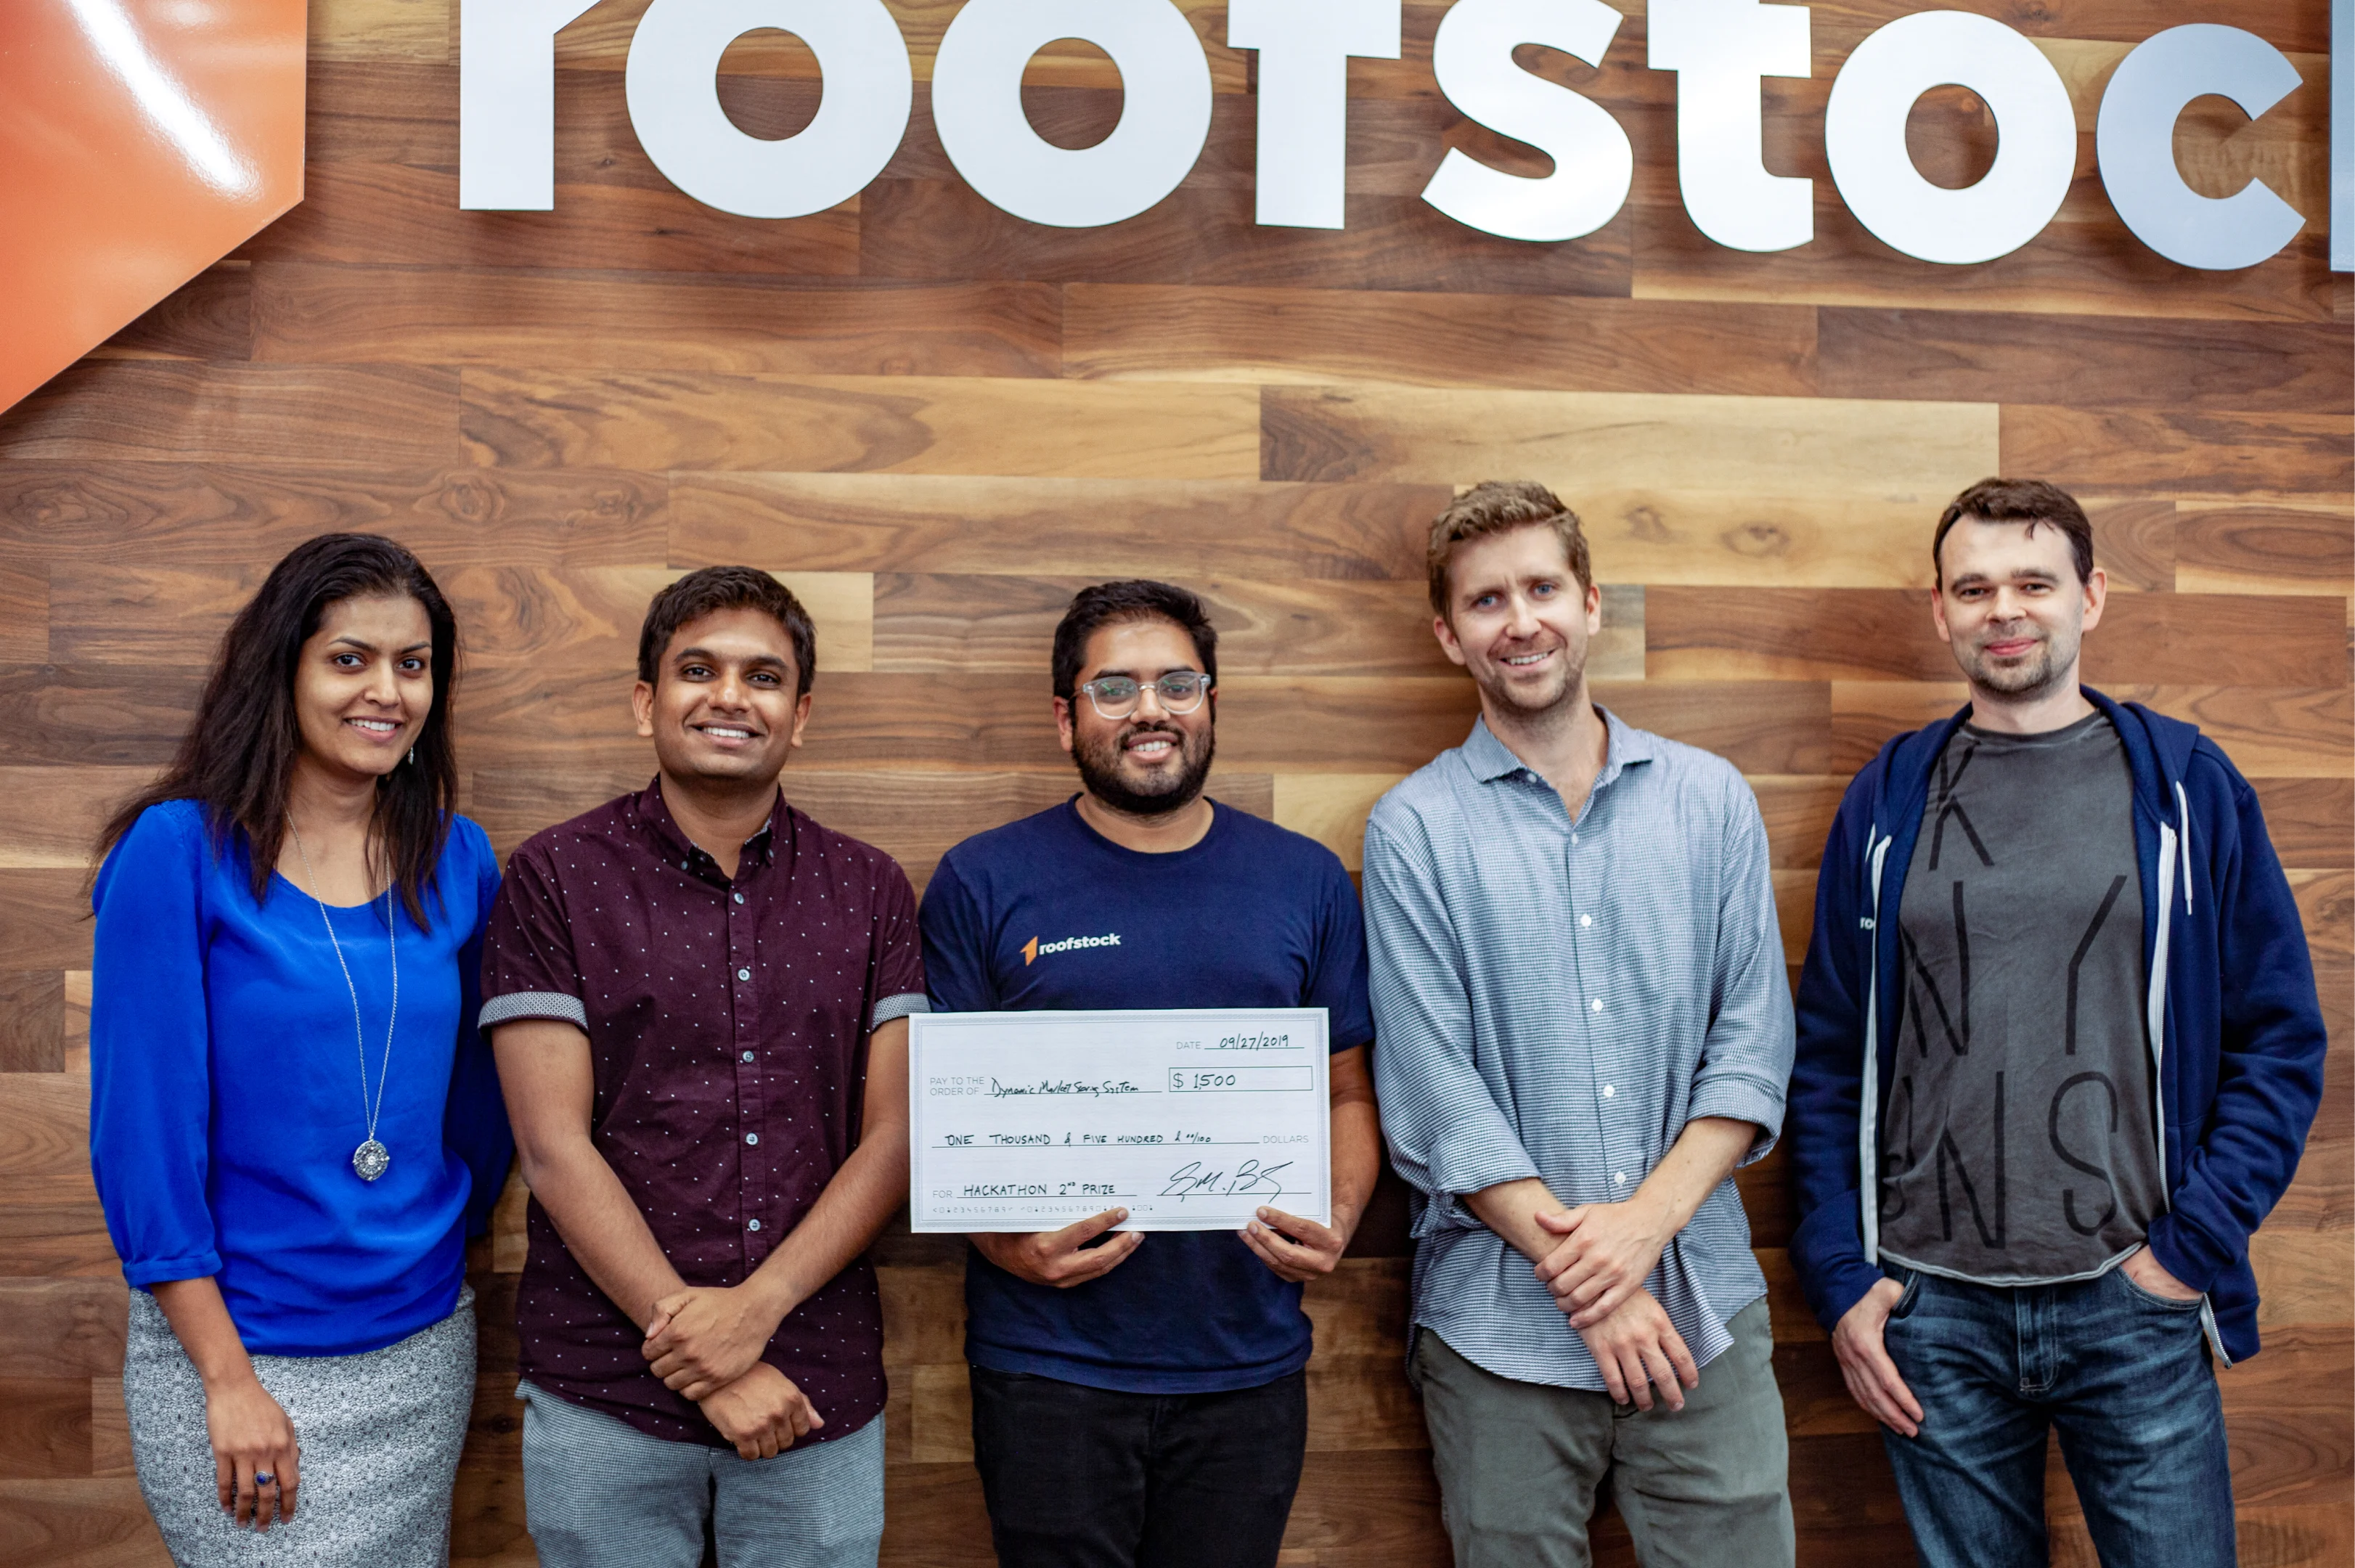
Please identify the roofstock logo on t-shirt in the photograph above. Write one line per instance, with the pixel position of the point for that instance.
(1719, 51)
(1033, 950)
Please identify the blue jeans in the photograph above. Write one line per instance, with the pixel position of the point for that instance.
(2123, 1374)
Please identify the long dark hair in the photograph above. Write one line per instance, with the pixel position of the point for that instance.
(237, 760)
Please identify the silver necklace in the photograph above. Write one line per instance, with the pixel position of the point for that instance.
(371, 1159)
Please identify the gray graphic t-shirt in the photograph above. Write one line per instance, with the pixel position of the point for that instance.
(2018, 1145)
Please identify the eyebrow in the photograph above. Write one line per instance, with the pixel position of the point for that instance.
(1132, 674)
(765, 661)
(2033, 574)
(366, 646)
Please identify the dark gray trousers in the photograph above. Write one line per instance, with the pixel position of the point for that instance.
(1707, 1486)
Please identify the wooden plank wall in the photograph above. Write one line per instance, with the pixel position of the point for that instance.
(935, 421)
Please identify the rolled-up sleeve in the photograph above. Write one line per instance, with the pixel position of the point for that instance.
(1447, 1135)
(1745, 1071)
(150, 1052)
(528, 967)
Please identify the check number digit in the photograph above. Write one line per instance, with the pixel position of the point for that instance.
(1241, 1079)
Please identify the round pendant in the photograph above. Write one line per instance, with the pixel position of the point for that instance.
(371, 1159)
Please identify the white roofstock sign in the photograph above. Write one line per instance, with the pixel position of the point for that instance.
(1719, 51)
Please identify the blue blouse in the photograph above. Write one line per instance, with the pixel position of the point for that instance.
(225, 1089)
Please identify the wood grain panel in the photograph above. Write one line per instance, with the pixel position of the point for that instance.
(105, 409)
(62, 1327)
(1095, 528)
(1438, 340)
(1747, 444)
(323, 314)
(208, 515)
(2100, 361)
(32, 1021)
(62, 714)
(2094, 268)
(43, 922)
(2159, 451)
(879, 424)
(48, 1430)
(379, 214)
(1880, 634)
(77, 1524)
(2310, 821)
(208, 317)
(2264, 549)
(1206, 237)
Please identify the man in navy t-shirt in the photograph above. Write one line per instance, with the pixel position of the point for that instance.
(1140, 1400)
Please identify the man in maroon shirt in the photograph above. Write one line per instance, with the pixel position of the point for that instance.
(699, 998)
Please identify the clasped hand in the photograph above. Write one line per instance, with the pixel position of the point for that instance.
(704, 1337)
(1607, 1251)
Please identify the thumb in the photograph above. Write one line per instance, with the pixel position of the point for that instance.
(1560, 1223)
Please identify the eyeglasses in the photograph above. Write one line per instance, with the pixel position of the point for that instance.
(1116, 695)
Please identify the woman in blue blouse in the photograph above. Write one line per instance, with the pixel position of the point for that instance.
(293, 1122)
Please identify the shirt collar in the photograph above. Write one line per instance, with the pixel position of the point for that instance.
(1623, 747)
(655, 814)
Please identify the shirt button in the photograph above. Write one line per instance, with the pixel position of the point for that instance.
(752, 1138)
(739, 898)
(748, 1056)
(1586, 920)
(1573, 838)
(743, 974)
(751, 1224)
(1619, 1179)
(1596, 1004)
(1608, 1090)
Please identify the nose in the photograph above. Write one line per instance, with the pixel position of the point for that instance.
(1525, 619)
(383, 687)
(1150, 693)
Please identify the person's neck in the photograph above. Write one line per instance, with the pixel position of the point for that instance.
(1566, 745)
(1163, 832)
(327, 804)
(719, 817)
(2061, 705)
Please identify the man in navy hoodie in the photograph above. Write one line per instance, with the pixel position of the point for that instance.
(2074, 1120)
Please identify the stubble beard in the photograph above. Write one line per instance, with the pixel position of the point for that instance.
(2029, 679)
(1539, 711)
(1099, 764)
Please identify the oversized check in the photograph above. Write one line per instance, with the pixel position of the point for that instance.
(1191, 1121)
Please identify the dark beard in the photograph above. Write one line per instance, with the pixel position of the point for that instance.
(1098, 764)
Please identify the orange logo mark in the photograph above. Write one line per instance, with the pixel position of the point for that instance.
(1030, 952)
(141, 141)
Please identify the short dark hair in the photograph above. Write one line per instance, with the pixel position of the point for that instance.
(1498, 507)
(1132, 599)
(2035, 502)
(717, 588)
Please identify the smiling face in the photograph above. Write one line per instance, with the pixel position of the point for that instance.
(1153, 761)
(364, 685)
(722, 707)
(2012, 609)
(1520, 621)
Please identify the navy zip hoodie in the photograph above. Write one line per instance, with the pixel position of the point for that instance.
(2235, 1028)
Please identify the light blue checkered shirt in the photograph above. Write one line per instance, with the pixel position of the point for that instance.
(1557, 999)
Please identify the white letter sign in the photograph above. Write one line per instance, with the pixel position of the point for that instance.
(1165, 119)
(1864, 135)
(506, 103)
(1593, 163)
(674, 94)
(1304, 47)
(2136, 140)
(1719, 49)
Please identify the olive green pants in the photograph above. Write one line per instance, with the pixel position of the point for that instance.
(1706, 1487)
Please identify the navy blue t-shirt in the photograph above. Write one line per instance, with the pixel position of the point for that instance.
(1020, 919)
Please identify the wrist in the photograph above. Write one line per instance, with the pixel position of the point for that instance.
(234, 1377)
(773, 1295)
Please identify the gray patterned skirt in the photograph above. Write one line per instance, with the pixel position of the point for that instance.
(379, 1434)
